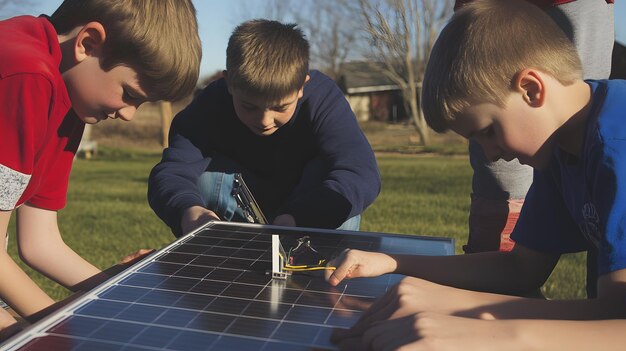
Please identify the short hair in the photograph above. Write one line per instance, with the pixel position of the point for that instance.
(158, 38)
(267, 58)
(478, 53)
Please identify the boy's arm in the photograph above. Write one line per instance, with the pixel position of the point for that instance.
(172, 185)
(41, 247)
(433, 331)
(16, 288)
(515, 272)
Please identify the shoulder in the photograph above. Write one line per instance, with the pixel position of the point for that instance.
(30, 46)
(608, 110)
(320, 84)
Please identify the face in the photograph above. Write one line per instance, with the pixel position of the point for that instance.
(97, 94)
(261, 116)
(516, 131)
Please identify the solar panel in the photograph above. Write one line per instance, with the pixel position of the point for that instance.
(210, 290)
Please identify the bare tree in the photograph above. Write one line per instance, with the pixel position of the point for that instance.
(401, 34)
(332, 30)
(331, 27)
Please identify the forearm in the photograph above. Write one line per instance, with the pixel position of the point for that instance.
(490, 271)
(567, 335)
(60, 263)
(18, 290)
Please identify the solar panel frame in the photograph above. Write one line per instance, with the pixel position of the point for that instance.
(198, 298)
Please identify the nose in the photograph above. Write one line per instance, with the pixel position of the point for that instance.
(126, 113)
(267, 118)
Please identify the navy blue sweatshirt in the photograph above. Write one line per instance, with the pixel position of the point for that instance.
(323, 127)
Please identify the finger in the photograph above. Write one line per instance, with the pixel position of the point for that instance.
(343, 266)
(385, 335)
(380, 310)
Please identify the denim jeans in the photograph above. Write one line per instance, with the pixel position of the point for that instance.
(216, 186)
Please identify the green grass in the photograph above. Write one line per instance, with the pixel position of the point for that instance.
(107, 215)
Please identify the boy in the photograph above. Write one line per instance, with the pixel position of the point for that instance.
(503, 74)
(290, 132)
(90, 61)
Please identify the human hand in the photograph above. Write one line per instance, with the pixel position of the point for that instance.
(357, 263)
(8, 325)
(136, 256)
(411, 296)
(433, 331)
(195, 216)
(285, 220)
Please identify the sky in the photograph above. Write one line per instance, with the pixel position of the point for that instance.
(217, 19)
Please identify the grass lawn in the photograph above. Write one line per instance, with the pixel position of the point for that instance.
(107, 215)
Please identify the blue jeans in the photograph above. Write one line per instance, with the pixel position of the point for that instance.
(216, 186)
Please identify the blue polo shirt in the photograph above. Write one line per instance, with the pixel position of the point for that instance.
(578, 204)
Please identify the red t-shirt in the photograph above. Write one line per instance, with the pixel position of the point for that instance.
(39, 133)
(540, 3)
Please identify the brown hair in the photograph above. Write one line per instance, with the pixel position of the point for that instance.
(267, 58)
(158, 38)
(480, 50)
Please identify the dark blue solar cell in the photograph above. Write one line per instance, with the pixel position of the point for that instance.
(343, 318)
(189, 340)
(102, 308)
(117, 331)
(223, 274)
(178, 284)
(269, 310)
(176, 318)
(124, 293)
(140, 313)
(243, 291)
(156, 336)
(227, 305)
(77, 326)
(214, 322)
(194, 302)
(161, 298)
(296, 332)
(144, 280)
(257, 327)
(239, 344)
(308, 314)
(161, 268)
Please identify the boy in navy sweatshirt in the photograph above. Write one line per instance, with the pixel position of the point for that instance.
(290, 132)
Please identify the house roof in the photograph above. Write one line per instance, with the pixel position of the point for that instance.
(364, 77)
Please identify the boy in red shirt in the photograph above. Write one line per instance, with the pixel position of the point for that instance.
(90, 61)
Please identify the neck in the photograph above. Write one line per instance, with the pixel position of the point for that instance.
(66, 41)
(575, 111)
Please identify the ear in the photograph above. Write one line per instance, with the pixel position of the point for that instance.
(89, 41)
(529, 82)
(301, 91)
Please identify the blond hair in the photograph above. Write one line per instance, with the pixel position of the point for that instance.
(267, 58)
(478, 53)
(158, 38)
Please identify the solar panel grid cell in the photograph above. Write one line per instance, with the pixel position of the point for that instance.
(210, 291)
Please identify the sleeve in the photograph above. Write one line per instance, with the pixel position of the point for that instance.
(172, 183)
(545, 224)
(23, 120)
(609, 199)
(352, 181)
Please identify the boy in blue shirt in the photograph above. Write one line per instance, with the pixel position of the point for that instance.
(503, 74)
(290, 132)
